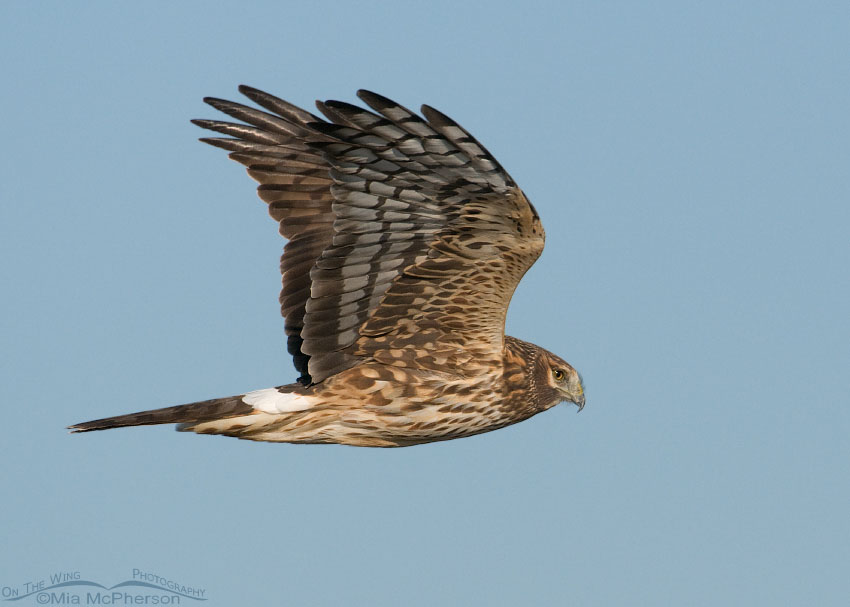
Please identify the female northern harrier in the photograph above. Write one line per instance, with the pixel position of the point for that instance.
(406, 242)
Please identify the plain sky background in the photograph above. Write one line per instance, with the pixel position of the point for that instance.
(691, 163)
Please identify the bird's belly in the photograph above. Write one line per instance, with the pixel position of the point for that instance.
(392, 407)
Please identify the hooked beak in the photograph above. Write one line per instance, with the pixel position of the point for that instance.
(580, 402)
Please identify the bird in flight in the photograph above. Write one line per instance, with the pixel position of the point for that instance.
(407, 240)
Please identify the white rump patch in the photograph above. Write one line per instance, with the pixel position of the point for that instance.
(270, 400)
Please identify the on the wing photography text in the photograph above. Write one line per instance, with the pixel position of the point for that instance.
(70, 588)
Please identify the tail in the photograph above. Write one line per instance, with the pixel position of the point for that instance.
(193, 413)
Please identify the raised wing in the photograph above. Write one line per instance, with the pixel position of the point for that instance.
(406, 237)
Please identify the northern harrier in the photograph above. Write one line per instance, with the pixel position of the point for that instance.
(406, 242)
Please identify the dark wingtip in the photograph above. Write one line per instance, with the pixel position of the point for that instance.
(257, 96)
(372, 97)
(436, 117)
(339, 105)
(219, 142)
(222, 104)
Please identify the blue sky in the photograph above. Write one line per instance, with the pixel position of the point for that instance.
(690, 163)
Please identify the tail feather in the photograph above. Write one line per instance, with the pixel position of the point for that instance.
(203, 411)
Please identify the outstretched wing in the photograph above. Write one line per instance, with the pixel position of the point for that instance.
(406, 237)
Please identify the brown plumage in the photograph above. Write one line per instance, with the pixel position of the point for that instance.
(406, 242)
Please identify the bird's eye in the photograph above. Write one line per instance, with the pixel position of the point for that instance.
(558, 374)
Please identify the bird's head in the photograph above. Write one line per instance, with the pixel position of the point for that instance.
(557, 381)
